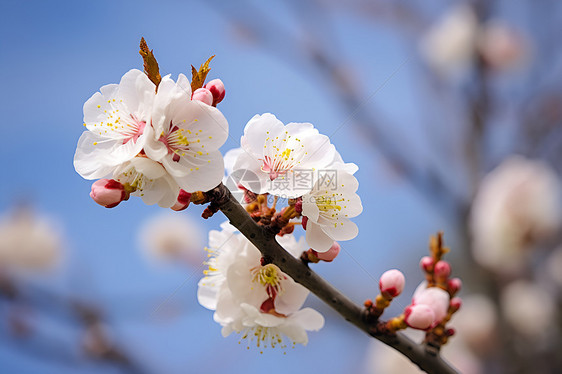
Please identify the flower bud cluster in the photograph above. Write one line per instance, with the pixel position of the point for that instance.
(433, 302)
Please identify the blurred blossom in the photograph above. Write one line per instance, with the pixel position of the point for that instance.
(528, 308)
(476, 322)
(172, 236)
(554, 266)
(517, 205)
(449, 44)
(502, 46)
(29, 242)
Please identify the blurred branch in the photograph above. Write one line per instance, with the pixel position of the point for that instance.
(326, 59)
(96, 341)
(398, 13)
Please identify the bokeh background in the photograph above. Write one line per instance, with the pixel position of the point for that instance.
(429, 98)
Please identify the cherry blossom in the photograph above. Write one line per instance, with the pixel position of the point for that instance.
(328, 209)
(116, 119)
(255, 299)
(187, 135)
(279, 154)
(269, 329)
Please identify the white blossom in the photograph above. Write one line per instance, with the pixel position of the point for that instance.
(259, 301)
(118, 121)
(328, 209)
(280, 154)
(187, 135)
(269, 329)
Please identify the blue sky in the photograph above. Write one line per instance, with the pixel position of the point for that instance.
(55, 55)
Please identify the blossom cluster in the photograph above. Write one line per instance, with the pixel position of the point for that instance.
(254, 298)
(157, 142)
(296, 162)
(159, 139)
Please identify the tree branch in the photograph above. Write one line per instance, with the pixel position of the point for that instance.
(264, 239)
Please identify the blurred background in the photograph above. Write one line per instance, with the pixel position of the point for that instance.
(451, 109)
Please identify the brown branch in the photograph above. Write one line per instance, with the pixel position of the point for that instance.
(264, 239)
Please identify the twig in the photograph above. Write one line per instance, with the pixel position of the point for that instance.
(264, 239)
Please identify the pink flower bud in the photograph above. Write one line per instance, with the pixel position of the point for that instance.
(304, 222)
(330, 254)
(454, 285)
(203, 95)
(426, 263)
(442, 269)
(456, 303)
(108, 192)
(391, 283)
(450, 332)
(419, 317)
(183, 201)
(435, 298)
(217, 89)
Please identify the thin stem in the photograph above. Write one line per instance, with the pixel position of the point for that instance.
(264, 239)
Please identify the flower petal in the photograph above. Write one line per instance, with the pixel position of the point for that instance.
(257, 130)
(344, 229)
(205, 172)
(292, 298)
(317, 238)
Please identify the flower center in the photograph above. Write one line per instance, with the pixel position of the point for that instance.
(269, 276)
(328, 203)
(282, 154)
(272, 167)
(176, 141)
(132, 180)
(133, 130)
